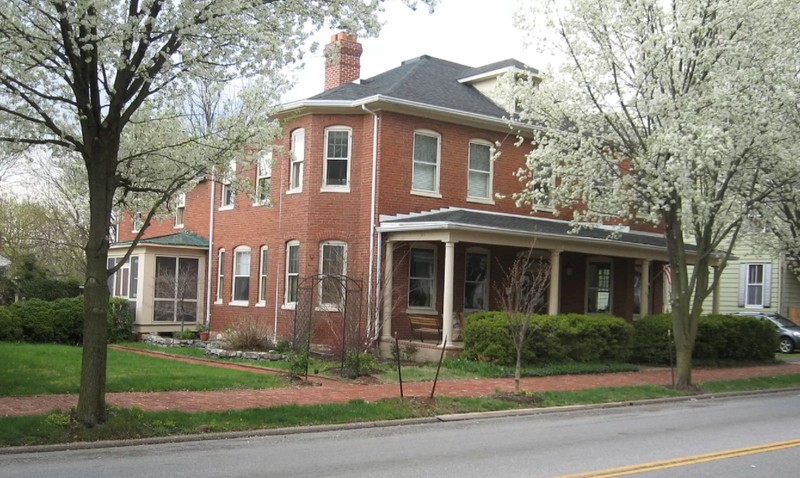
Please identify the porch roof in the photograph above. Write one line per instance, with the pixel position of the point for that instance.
(180, 239)
(524, 231)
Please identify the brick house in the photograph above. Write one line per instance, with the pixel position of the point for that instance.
(389, 181)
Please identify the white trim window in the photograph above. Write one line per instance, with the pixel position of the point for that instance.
(177, 286)
(599, 286)
(422, 278)
(298, 154)
(426, 161)
(755, 285)
(180, 209)
(220, 274)
(476, 280)
(240, 294)
(227, 195)
(262, 276)
(479, 181)
(332, 267)
(136, 221)
(292, 272)
(336, 164)
(264, 178)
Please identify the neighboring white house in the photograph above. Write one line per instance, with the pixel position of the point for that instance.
(758, 279)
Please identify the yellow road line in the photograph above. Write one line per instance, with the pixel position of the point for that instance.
(687, 460)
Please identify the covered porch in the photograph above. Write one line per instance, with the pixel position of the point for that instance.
(449, 263)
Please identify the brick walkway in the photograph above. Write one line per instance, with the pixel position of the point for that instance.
(331, 391)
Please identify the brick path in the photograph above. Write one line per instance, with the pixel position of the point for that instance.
(331, 391)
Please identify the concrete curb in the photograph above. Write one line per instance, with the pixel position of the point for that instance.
(382, 423)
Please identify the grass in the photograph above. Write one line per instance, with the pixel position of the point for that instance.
(32, 369)
(59, 427)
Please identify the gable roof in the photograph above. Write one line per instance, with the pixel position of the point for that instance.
(181, 239)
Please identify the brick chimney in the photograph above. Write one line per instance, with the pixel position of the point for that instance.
(342, 60)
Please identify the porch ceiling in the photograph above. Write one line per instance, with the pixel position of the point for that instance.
(467, 225)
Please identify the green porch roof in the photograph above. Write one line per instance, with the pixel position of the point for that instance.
(183, 238)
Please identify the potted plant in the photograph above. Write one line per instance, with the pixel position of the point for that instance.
(203, 331)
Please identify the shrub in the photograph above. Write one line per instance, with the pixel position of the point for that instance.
(719, 338)
(120, 320)
(557, 338)
(247, 334)
(10, 326)
(67, 320)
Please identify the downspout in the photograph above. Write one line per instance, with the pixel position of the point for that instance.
(277, 264)
(372, 317)
(210, 246)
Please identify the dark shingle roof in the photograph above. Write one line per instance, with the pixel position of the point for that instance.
(183, 238)
(510, 223)
(428, 81)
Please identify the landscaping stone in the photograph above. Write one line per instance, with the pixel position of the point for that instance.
(212, 348)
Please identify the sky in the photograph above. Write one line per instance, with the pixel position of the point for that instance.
(471, 32)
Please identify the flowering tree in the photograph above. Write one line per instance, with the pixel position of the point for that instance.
(668, 113)
(108, 79)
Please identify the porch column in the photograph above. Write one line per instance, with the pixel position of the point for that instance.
(644, 308)
(386, 311)
(555, 282)
(447, 305)
(715, 294)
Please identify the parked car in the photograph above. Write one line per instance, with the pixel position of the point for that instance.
(788, 331)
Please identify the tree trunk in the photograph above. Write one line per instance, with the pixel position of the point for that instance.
(101, 170)
(518, 370)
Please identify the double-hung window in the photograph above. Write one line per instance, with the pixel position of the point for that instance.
(180, 207)
(426, 162)
(755, 285)
(337, 159)
(136, 220)
(333, 266)
(241, 275)
(598, 288)
(220, 273)
(263, 178)
(262, 277)
(421, 279)
(480, 171)
(298, 154)
(227, 194)
(292, 272)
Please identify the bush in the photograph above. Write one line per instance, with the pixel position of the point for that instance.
(559, 338)
(719, 338)
(60, 321)
(247, 334)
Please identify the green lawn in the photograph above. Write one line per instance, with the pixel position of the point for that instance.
(31, 369)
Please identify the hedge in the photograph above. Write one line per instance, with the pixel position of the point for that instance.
(558, 338)
(60, 321)
(719, 338)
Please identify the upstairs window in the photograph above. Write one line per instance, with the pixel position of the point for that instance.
(480, 171)
(425, 176)
(337, 158)
(227, 194)
(298, 153)
(180, 207)
(755, 285)
(136, 220)
(264, 178)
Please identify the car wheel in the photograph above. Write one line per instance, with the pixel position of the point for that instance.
(786, 345)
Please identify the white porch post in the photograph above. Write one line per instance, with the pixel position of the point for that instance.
(386, 312)
(555, 282)
(645, 296)
(449, 277)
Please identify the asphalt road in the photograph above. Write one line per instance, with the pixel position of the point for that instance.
(582, 443)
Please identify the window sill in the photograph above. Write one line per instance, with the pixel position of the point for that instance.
(218, 302)
(481, 200)
(290, 306)
(261, 304)
(178, 226)
(543, 208)
(262, 204)
(328, 308)
(294, 191)
(239, 303)
(335, 189)
(429, 194)
(225, 208)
